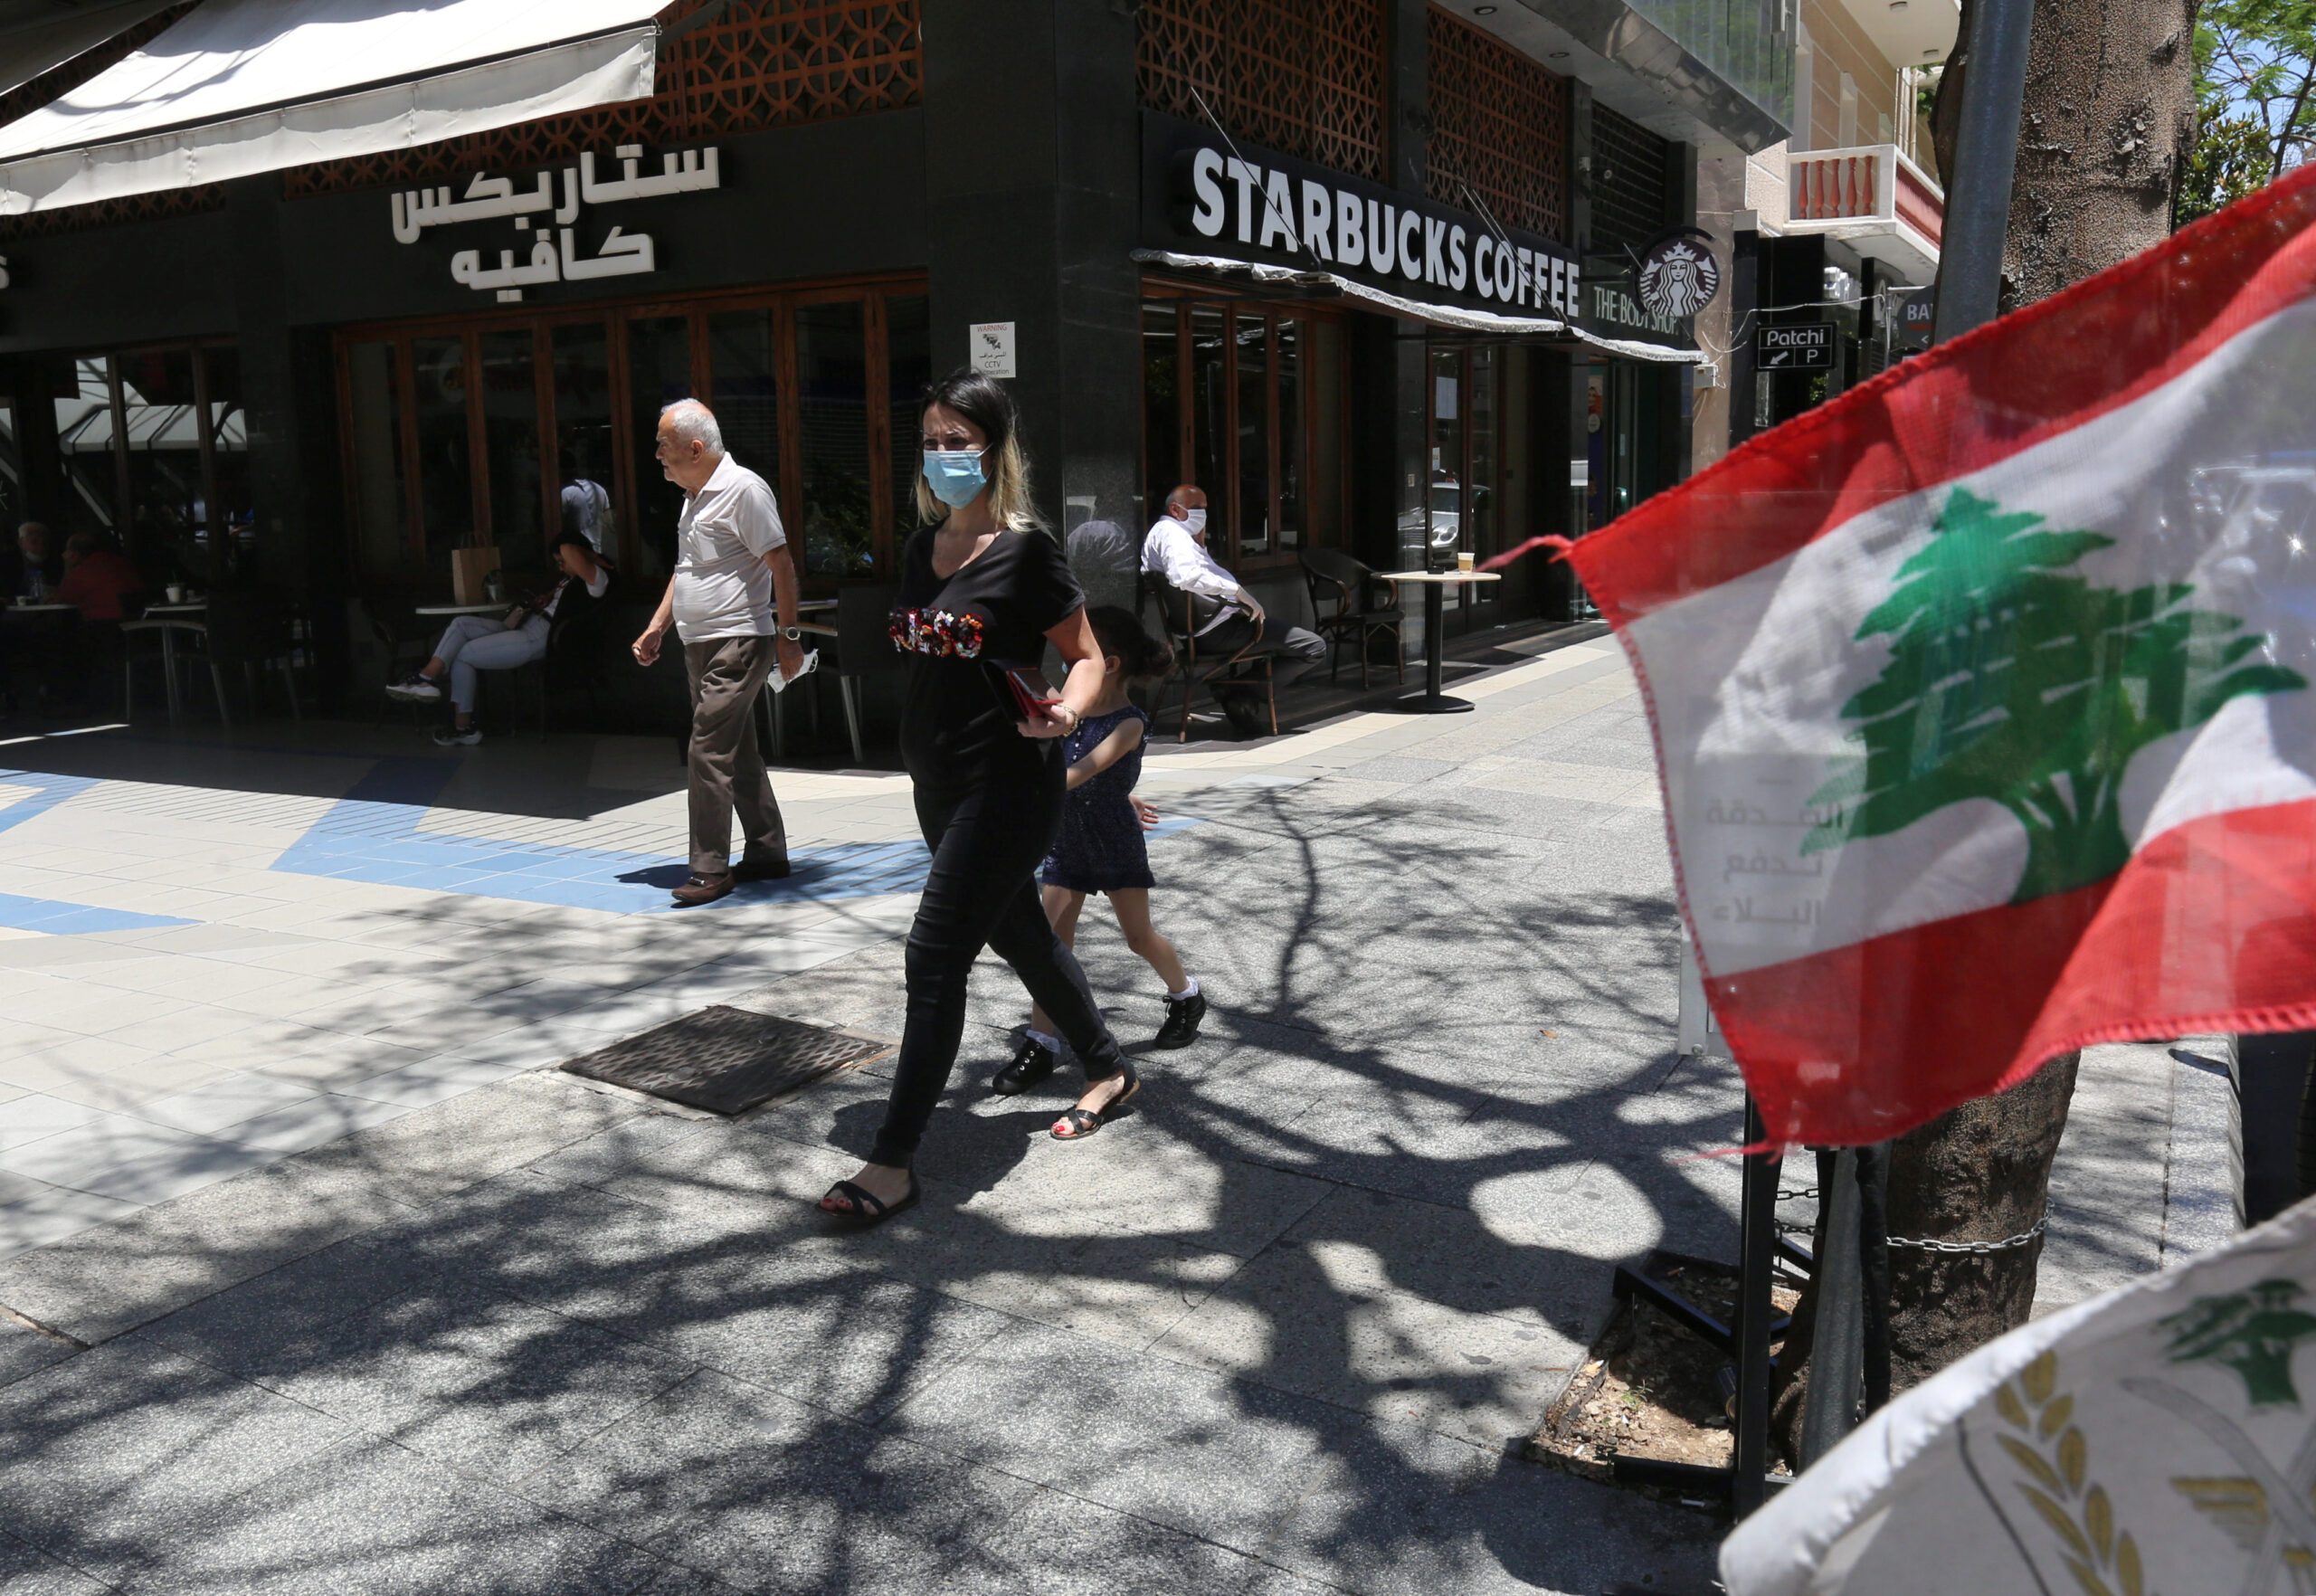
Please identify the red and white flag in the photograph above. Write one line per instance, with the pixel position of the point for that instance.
(1982, 694)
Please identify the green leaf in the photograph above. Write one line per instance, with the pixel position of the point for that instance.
(2031, 1460)
(2054, 1416)
(2055, 1516)
(2099, 1518)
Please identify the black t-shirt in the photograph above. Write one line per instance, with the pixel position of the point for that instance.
(959, 634)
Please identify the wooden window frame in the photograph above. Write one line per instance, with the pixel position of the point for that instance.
(195, 350)
(1223, 499)
(616, 316)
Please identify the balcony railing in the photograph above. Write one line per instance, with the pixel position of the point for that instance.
(1829, 188)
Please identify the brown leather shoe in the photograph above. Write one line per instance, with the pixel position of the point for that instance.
(699, 889)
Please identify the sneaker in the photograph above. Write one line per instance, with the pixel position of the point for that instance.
(414, 689)
(1183, 1017)
(450, 737)
(1030, 1065)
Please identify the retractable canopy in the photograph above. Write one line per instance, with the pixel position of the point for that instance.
(1453, 317)
(241, 86)
(45, 36)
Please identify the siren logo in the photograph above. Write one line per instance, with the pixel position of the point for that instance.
(1678, 278)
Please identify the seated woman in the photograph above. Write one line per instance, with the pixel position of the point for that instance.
(487, 642)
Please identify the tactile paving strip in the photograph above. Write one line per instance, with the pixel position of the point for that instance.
(726, 1060)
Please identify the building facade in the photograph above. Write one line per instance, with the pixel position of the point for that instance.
(1362, 269)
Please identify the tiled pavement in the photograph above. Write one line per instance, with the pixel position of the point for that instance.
(358, 1297)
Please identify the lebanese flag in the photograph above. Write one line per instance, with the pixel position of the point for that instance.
(1982, 694)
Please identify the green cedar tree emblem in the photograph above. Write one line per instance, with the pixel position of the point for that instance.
(2253, 1332)
(2013, 680)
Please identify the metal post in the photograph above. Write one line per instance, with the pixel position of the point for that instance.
(1836, 1365)
(1756, 1263)
(1986, 155)
(1434, 620)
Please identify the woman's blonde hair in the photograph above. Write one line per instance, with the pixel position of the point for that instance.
(984, 400)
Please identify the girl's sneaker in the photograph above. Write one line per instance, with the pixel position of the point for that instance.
(1032, 1064)
(1183, 1017)
(451, 736)
(414, 689)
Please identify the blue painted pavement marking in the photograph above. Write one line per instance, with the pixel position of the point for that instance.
(52, 918)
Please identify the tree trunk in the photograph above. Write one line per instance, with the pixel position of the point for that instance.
(2104, 129)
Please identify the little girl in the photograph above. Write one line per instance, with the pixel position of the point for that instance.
(1100, 849)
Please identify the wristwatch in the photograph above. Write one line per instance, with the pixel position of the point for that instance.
(793, 633)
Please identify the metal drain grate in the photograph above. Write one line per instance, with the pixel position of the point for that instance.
(726, 1060)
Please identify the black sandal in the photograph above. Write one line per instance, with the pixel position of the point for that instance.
(1085, 1122)
(1031, 1065)
(867, 1209)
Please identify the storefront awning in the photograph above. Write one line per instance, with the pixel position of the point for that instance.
(1453, 317)
(241, 86)
(46, 39)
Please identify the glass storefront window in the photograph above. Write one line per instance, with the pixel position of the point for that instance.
(1330, 380)
(80, 388)
(560, 410)
(12, 471)
(1162, 403)
(446, 508)
(160, 430)
(1264, 388)
(1210, 407)
(510, 433)
(1252, 335)
(659, 373)
(1446, 502)
(832, 420)
(584, 498)
(1479, 530)
(232, 514)
(908, 338)
(1294, 438)
(374, 434)
(744, 351)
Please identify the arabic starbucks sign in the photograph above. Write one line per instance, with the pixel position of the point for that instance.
(550, 214)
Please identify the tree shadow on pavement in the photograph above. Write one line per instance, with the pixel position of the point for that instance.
(1276, 1331)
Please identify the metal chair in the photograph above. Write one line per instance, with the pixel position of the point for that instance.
(1178, 613)
(251, 629)
(173, 634)
(398, 627)
(1339, 580)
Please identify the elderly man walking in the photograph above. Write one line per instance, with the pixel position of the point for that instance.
(732, 566)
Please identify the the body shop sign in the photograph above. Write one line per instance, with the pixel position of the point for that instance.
(1203, 196)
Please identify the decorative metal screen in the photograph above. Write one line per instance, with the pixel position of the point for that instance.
(756, 64)
(1305, 76)
(1631, 189)
(1499, 124)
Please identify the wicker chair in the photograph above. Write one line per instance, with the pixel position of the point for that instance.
(1342, 599)
(1195, 669)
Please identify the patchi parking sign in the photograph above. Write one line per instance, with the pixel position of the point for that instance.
(1678, 277)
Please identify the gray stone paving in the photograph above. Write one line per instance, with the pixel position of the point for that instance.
(1275, 1334)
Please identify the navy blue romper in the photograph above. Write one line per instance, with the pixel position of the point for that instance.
(1100, 845)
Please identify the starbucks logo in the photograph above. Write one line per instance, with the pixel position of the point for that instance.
(1678, 278)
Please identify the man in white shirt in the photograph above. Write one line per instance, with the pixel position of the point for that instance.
(732, 569)
(1226, 617)
(492, 642)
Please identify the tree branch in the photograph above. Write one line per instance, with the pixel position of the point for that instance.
(2291, 120)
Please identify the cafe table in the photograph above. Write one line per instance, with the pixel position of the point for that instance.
(1435, 585)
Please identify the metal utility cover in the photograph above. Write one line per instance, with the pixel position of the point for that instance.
(726, 1060)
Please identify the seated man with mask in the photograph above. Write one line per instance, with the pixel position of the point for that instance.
(1225, 617)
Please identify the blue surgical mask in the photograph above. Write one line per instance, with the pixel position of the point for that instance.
(955, 475)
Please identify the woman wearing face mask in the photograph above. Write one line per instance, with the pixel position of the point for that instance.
(984, 588)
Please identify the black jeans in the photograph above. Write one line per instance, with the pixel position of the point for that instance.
(987, 840)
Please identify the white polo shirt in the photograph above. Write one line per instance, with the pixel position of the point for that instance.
(723, 588)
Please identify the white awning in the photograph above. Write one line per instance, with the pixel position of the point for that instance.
(44, 39)
(241, 86)
(1453, 317)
